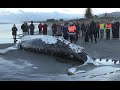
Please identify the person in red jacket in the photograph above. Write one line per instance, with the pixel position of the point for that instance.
(98, 29)
(40, 26)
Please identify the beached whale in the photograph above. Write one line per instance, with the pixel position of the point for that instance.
(55, 46)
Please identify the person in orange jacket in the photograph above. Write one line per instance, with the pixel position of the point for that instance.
(108, 27)
(72, 34)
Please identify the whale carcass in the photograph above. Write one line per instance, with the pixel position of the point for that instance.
(59, 47)
(56, 46)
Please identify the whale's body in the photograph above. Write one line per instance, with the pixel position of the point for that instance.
(59, 47)
(56, 46)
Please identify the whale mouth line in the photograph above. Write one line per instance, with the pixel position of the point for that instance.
(98, 62)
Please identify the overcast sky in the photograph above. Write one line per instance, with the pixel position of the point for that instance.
(62, 10)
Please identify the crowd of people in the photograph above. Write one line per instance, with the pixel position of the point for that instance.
(100, 30)
(73, 30)
(29, 29)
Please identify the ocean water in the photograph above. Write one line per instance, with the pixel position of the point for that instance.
(6, 33)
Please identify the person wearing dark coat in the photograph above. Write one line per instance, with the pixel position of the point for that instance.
(113, 30)
(31, 27)
(87, 34)
(45, 29)
(83, 29)
(59, 30)
(25, 29)
(93, 31)
(54, 29)
(14, 32)
(77, 31)
(117, 30)
(65, 31)
(98, 29)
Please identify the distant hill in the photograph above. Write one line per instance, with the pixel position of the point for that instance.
(113, 14)
(35, 16)
(8, 17)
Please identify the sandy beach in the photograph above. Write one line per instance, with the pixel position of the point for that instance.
(24, 65)
(28, 63)
(29, 66)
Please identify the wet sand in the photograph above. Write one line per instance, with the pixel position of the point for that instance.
(28, 63)
(102, 49)
(24, 65)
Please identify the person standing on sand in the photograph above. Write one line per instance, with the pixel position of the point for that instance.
(54, 29)
(113, 30)
(117, 24)
(32, 27)
(93, 31)
(83, 28)
(59, 30)
(45, 28)
(87, 32)
(40, 26)
(72, 30)
(14, 32)
(77, 31)
(65, 31)
(25, 29)
(108, 28)
(98, 29)
(102, 27)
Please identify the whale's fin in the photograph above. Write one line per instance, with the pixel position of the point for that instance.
(81, 69)
(4, 51)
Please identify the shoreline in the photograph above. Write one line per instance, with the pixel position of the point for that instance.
(5, 45)
(29, 65)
